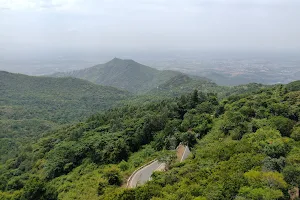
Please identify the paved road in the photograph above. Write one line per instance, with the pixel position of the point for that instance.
(144, 174)
(186, 153)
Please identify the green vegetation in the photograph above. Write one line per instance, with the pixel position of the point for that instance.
(246, 155)
(245, 146)
(140, 79)
(30, 106)
(113, 140)
(184, 84)
(245, 140)
(181, 84)
(293, 86)
(124, 74)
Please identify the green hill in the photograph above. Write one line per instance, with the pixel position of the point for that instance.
(183, 84)
(293, 86)
(244, 147)
(124, 74)
(31, 105)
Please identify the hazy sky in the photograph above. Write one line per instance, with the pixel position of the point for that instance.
(128, 25)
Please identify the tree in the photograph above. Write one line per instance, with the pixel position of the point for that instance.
(296, 133)
(33, 189)
(263, 193)
(15, 183)
(293, 86)
(283, 124)
(195, 98)
(123, 165)
(259, 179)
(118, 151)
(205, 107)
(112, 175)
(126, 194)
(188, 138)
(147, 192)
(101, 187)
(182, 106)
(292, 174)
(274, 164)
(167, 157)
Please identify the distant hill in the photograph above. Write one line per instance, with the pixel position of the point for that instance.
(225, 80)
(265, 78)
(49, 101)
(123, 74)
(31, 106)
(182, 84)
(293, 86)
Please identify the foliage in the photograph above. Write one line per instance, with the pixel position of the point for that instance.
(296, 133)
(244, 147)
(112, 175)
(293, 86)
(124, 74)
(31, 106)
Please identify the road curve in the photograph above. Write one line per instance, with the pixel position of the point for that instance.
(143, 175)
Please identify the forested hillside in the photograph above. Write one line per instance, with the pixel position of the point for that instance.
(245, 146)
(151, 83)
(30, 106)
(124, 74)
(183, 84)
(251, 152)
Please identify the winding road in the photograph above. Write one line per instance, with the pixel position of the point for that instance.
(143, 175)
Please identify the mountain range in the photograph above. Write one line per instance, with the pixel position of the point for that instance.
(125, 74)
(68, 138)
(31, 106)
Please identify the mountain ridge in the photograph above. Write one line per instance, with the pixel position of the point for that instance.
(124, 74)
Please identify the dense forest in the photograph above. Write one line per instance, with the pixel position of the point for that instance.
(244, 146)
(31, 106)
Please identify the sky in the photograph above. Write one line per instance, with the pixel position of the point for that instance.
(32, 26)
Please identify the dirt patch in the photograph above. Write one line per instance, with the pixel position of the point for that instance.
(294, 193)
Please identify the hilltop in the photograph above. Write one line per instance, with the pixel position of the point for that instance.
(123, 74)
(182, 84)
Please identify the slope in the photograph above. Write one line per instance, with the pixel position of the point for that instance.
(124, 74)
(244, 147)
(31, 105)
(183, 84)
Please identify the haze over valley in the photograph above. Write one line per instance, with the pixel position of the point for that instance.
(223, 68)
